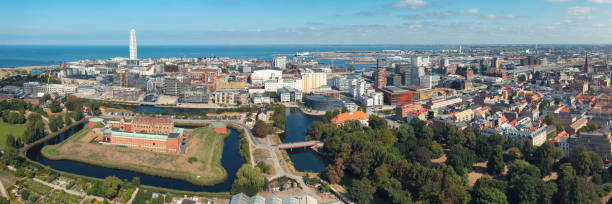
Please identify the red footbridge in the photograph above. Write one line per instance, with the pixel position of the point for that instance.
(304, 144)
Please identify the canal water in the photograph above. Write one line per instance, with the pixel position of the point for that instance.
(231, 161)
(296, 127)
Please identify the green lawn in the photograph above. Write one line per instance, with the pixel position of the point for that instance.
(6, 129)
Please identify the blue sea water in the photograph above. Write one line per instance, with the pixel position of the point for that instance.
(33, 55)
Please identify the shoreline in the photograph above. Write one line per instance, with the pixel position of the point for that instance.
(188, 177)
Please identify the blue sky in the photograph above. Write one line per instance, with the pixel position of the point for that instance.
(241, 22)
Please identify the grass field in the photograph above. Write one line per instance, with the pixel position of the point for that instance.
(16, 130)
(205, 145)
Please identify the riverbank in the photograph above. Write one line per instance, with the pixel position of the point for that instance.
(200, 165)
(305, 110)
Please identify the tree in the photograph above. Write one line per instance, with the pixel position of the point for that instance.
(279, 117)
(335, 172)
(495, 165)
(260, 129)
(67, 120)
(136, 181)
(435, 150)
(545, 156)
(421, 155)
(567, 177)
(524, 189)
(11, 156)
(55, 106)
(10, 141)
(362, 190)
(248, 181)
(454, 194)
(581, 160)
(263, 167)
(487, 182)
(46, 97)
(597, 164)
(13, 117)
(461, 157)
(376, 122)
(489, 196)
(528, 150)
(512, 154)
(385, 136)
(35, 128)
(111, 186)
(520, 167)
(332, 174)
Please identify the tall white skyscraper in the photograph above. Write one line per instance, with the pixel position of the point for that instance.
(133, 48)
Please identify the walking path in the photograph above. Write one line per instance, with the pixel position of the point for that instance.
(4, 194)
(133, 196)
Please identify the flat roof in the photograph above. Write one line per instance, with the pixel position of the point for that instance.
(395, 89)
(175, 133)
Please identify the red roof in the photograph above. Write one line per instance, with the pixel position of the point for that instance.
(343, 117)
(513, 123)
(558, 136)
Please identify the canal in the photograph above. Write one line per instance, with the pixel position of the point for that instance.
(231, 161)
(296, 127)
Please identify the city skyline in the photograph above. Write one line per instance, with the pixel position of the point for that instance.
(232, 22)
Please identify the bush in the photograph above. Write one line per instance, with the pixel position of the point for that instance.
(192, 159)
(264, 167)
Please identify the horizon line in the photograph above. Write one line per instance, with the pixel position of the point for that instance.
(320, 44)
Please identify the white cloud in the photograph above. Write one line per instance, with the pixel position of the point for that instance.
(471, 11)
(601, 1)
(413, 4)
(555, 1)
(493, 16)
(579, 10)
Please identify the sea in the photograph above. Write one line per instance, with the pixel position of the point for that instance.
(39, 55)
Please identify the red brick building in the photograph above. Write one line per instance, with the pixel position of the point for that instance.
(153, 134)
(169, 143)
(153, 125)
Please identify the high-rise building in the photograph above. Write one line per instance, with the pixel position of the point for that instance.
(416, 74)
(133, 48)
(280, 62)
(587, 67)
(358, 87)
(313, 80)
(172, 86)
(405, 70)
(416, 61)
(495, 63)
(381, 76)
